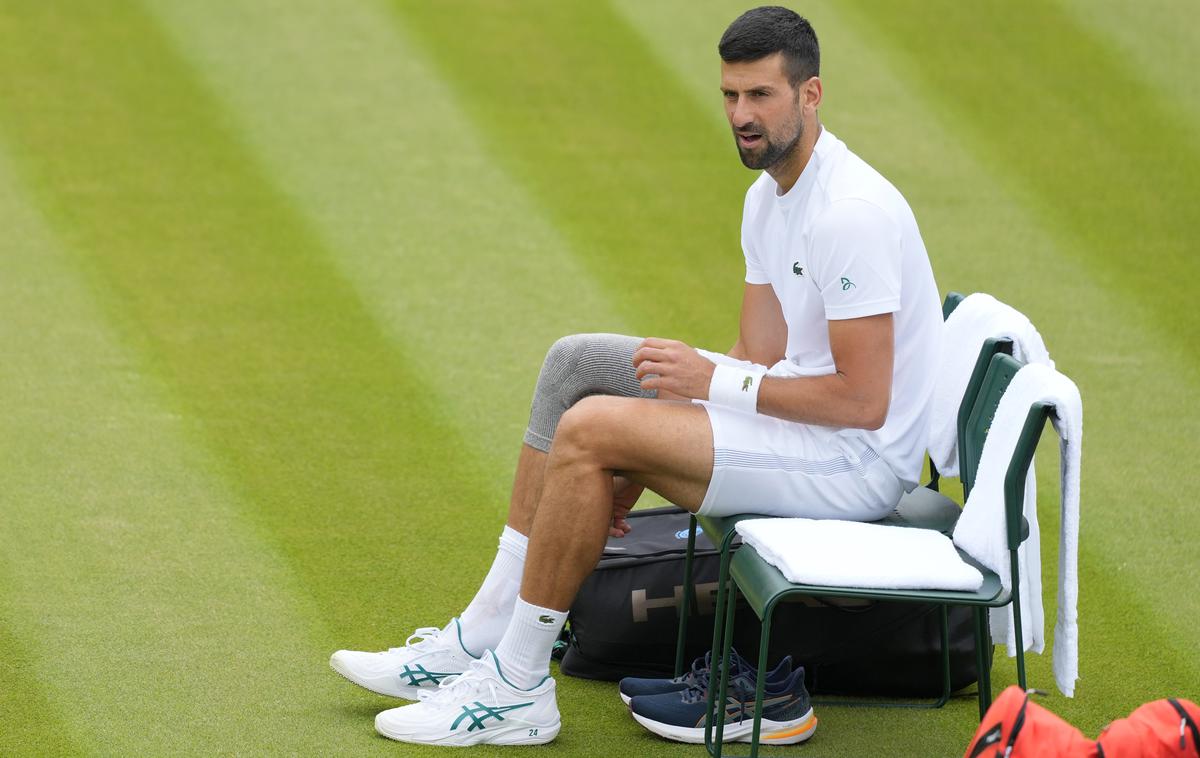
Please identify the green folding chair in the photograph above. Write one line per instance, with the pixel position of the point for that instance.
(763, 586)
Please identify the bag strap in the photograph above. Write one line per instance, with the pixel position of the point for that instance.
(1186, 719)
(1018, 723)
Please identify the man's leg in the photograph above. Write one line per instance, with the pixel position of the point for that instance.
(485, 618)
(508, 697)
(664, 445)
(575, 367)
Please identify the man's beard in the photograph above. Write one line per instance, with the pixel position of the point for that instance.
(774, 153)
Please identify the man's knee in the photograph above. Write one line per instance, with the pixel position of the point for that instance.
(579, 365)
(587, 425)
(576, 367)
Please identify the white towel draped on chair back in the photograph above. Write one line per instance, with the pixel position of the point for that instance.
(977, 317)
(981, 530)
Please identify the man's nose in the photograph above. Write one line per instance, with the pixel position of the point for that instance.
(741, 117)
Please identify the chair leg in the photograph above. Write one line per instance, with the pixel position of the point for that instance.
(722, 632)
(1016, 610)
(719, 607)
(983, 660)
(989, 650)
(689, 598)
(764, 639)
(945, 618)
(1020, 641)
(717, 693)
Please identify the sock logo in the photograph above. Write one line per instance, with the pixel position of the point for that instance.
(480, 712)
(545, 619)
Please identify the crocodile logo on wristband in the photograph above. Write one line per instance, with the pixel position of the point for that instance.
(746, 383)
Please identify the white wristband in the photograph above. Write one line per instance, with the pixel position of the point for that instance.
(735, 387)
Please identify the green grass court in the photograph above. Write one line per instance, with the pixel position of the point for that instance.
(277, 277)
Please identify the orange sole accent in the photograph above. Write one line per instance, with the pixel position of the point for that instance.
(791, 732)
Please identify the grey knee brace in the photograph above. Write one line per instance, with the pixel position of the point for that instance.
(575, 367)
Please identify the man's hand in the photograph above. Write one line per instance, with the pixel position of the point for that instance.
(679, 369)
(625, 495)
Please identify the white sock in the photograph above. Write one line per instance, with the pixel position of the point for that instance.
(485, 619)
(524, 653)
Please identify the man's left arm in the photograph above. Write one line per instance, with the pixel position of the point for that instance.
(856, 395)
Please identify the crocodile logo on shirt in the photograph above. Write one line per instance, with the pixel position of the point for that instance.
(846, 284)
(797, 269)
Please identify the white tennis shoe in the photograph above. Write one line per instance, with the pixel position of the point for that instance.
(479, 707)
(429, 657)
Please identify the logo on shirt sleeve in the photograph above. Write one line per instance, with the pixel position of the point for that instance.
(846, 284)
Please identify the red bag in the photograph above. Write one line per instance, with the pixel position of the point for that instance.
(1015, 727)
(1164, 727)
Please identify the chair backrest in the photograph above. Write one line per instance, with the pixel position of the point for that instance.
(950, 303)
(1000, 371)
(992, 346)
(988, 349)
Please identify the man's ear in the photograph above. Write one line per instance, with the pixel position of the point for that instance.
(811, 92)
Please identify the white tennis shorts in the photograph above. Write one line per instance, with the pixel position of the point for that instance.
(763, 464)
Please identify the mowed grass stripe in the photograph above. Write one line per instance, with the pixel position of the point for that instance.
(987, 239)
(1153, 42)
(33, 723)
(452, 257)
(638, 178)
(328, 436)
(1102, 157)
(682, 36)
(138, 603)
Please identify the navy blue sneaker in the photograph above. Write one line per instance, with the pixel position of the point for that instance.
(631, 687)
(787, 716)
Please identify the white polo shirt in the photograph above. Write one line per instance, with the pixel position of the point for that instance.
(842, 244)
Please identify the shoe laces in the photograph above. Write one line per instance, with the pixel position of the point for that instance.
(424, 636)
(697, 690)
(699, 669)
(734, 697)
(452, 687)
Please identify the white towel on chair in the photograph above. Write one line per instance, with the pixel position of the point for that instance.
(981, 530)
(976, 318)
(852, 554)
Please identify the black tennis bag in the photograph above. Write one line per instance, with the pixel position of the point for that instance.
(624, 622)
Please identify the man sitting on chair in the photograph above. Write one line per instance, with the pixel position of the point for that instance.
(819, 410)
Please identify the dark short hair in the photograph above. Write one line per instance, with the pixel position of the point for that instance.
(771, 29)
